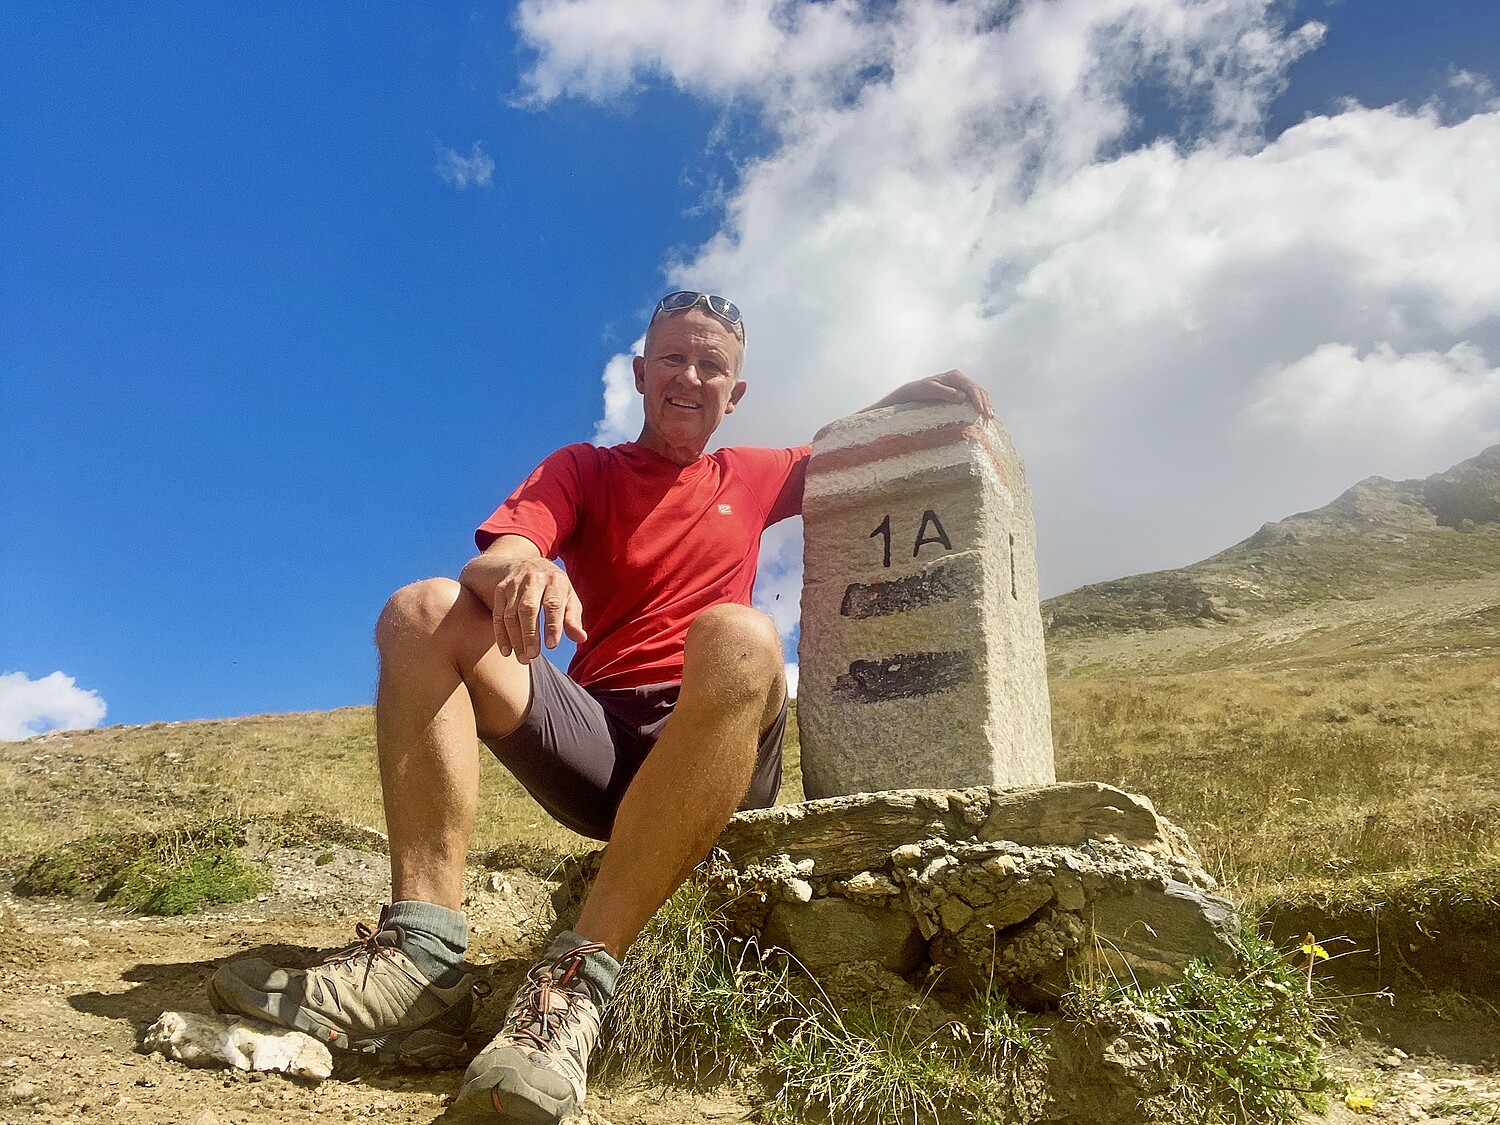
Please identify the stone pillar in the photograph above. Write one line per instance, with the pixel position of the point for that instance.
(922, 661)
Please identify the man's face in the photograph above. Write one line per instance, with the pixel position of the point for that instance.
(690, 379)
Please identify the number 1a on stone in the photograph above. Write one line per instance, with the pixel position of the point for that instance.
(929, 520)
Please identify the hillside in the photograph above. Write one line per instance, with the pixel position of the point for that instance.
(1316, 706)
(1389, 566)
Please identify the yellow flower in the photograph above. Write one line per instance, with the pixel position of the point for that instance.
(1313, 949)
(1359, 1101)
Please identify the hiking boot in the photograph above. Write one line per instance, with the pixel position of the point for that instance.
(536, 1069)
(369, 997)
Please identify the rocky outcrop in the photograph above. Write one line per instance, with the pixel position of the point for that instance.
(1017, 887)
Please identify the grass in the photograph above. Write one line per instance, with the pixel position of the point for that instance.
(1236, 1046)
(1288, 779)
(1287, 776)
(701, 1007)
(136, 779)
(168, 873)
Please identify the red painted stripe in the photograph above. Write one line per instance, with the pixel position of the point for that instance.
(897, 445)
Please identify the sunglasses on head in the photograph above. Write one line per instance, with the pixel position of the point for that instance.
(721, 307)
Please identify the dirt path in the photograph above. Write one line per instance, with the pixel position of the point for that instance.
(79, 984)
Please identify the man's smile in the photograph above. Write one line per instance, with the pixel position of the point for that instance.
(684, 404)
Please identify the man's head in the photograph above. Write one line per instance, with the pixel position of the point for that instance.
(689, 374)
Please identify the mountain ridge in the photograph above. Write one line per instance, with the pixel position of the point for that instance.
(1395, 545)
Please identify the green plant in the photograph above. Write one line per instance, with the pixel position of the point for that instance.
(167, 873)
(1238, 1046)
(183, 877)
(692, 1002)
(701, 1006)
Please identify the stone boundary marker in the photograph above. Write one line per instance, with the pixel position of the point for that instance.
(921, 660)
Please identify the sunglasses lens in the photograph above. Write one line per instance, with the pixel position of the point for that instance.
(683, 299)
(723, 308)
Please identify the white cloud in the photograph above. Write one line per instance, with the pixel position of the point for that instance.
(624, 411)
(961, 183)
(1418, 402)
(54, 702)
(462, 171)
(791, 680)
(778, 581)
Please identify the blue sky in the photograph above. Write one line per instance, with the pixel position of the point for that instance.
(293, 295)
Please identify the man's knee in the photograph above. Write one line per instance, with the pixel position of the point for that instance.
(421, 611)
(737, 639)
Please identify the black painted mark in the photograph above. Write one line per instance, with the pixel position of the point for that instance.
(938, 583)
(929, 517)
(903, 676)
(1013, 593)
(884, 529)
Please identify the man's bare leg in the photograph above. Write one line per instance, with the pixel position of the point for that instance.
(404, 993)
(441, 681)
(691, 783)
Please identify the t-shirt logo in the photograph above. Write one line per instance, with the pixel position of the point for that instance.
(725, 510)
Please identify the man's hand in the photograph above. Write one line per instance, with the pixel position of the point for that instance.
(950, 386)
(530, 597)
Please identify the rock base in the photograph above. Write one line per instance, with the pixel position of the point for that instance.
(962, 890)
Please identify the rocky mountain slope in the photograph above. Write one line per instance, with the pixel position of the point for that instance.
(1403, 563)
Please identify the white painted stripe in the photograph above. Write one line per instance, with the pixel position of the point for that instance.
(890, 471)
(861, 429)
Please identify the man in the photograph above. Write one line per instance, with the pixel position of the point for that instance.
(669, 721)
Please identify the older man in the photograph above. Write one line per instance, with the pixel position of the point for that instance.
(669, 719)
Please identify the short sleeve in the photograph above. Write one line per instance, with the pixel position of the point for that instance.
(777, 477)
(546, 507)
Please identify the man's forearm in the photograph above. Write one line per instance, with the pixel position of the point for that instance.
(481, 574)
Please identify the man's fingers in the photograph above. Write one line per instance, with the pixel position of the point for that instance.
(553, 606)
(515, 633)
(573, 619)
(517, 611)
(528, 621)
(966, 388)
(502, 629)
(535, 605)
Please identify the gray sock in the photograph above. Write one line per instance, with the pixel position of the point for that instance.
(436, 938)
(599, 970)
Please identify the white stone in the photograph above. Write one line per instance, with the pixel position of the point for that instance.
(868, 884)
(207, 1040)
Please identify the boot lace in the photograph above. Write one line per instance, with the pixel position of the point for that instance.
(369, 946)
(535, 1019)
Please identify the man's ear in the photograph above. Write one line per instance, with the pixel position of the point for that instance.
(638, 365)
(740, 387)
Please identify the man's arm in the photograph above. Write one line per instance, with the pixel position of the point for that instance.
(950, 386)
(530, 597)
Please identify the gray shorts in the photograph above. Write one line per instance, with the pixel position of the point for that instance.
(577, 749)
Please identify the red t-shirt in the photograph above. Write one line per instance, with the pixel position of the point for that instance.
(649, 544)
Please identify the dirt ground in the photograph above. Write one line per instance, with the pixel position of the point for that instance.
(79, 984)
